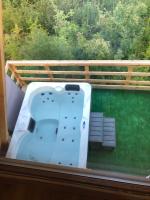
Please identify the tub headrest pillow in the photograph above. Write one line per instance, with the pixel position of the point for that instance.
(71, 87)
(31, 125)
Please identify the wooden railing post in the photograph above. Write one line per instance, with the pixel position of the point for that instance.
(129, 75)
(3, 113)
(17, 76)
(86, 69)
(47, 67)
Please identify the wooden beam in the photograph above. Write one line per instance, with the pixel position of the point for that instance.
(87, 72)
(47, 68)
(129, 76)
(92, 81)
(60, 182)
(17, 76)
(119, 63)
(122, 87)
(3, 121)
(96, 73)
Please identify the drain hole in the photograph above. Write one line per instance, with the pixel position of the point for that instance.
(41, 137)
(72, 97)
(43, 101)
(72, 101)
(66, 117)
(74, 118)
(72, 140)
(52, 100)
(76, 93)
(69, 93)
(50, 93)
(63, 139)
(65, 127)
(42, 94)
(59, 163)
(74, 128)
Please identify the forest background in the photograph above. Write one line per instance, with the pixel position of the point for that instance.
(77, 29)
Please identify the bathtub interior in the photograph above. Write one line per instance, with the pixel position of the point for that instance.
(55, 136)
(38, 146)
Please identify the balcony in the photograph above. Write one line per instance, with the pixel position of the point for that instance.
(112, 83)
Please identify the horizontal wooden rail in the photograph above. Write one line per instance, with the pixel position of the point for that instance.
(113, 74)
(122, 87)
(102, 73)
(81, 63)
(83, 80)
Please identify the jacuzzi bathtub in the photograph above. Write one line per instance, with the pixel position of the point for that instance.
(53, 124)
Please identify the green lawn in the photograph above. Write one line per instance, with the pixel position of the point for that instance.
(131, 110)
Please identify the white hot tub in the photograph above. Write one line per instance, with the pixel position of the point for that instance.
(53, 124)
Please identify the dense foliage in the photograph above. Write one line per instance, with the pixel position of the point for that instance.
(77, 29)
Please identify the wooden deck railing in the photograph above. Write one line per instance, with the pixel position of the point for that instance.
(112, 74)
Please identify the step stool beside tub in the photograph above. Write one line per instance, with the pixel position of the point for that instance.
(53, 124)
(102, 131)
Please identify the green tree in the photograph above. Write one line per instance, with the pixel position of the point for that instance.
(79, 29)
(39, 45)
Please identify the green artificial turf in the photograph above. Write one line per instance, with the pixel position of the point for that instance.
(131, 109)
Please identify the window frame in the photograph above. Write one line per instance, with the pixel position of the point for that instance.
(89, 182)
